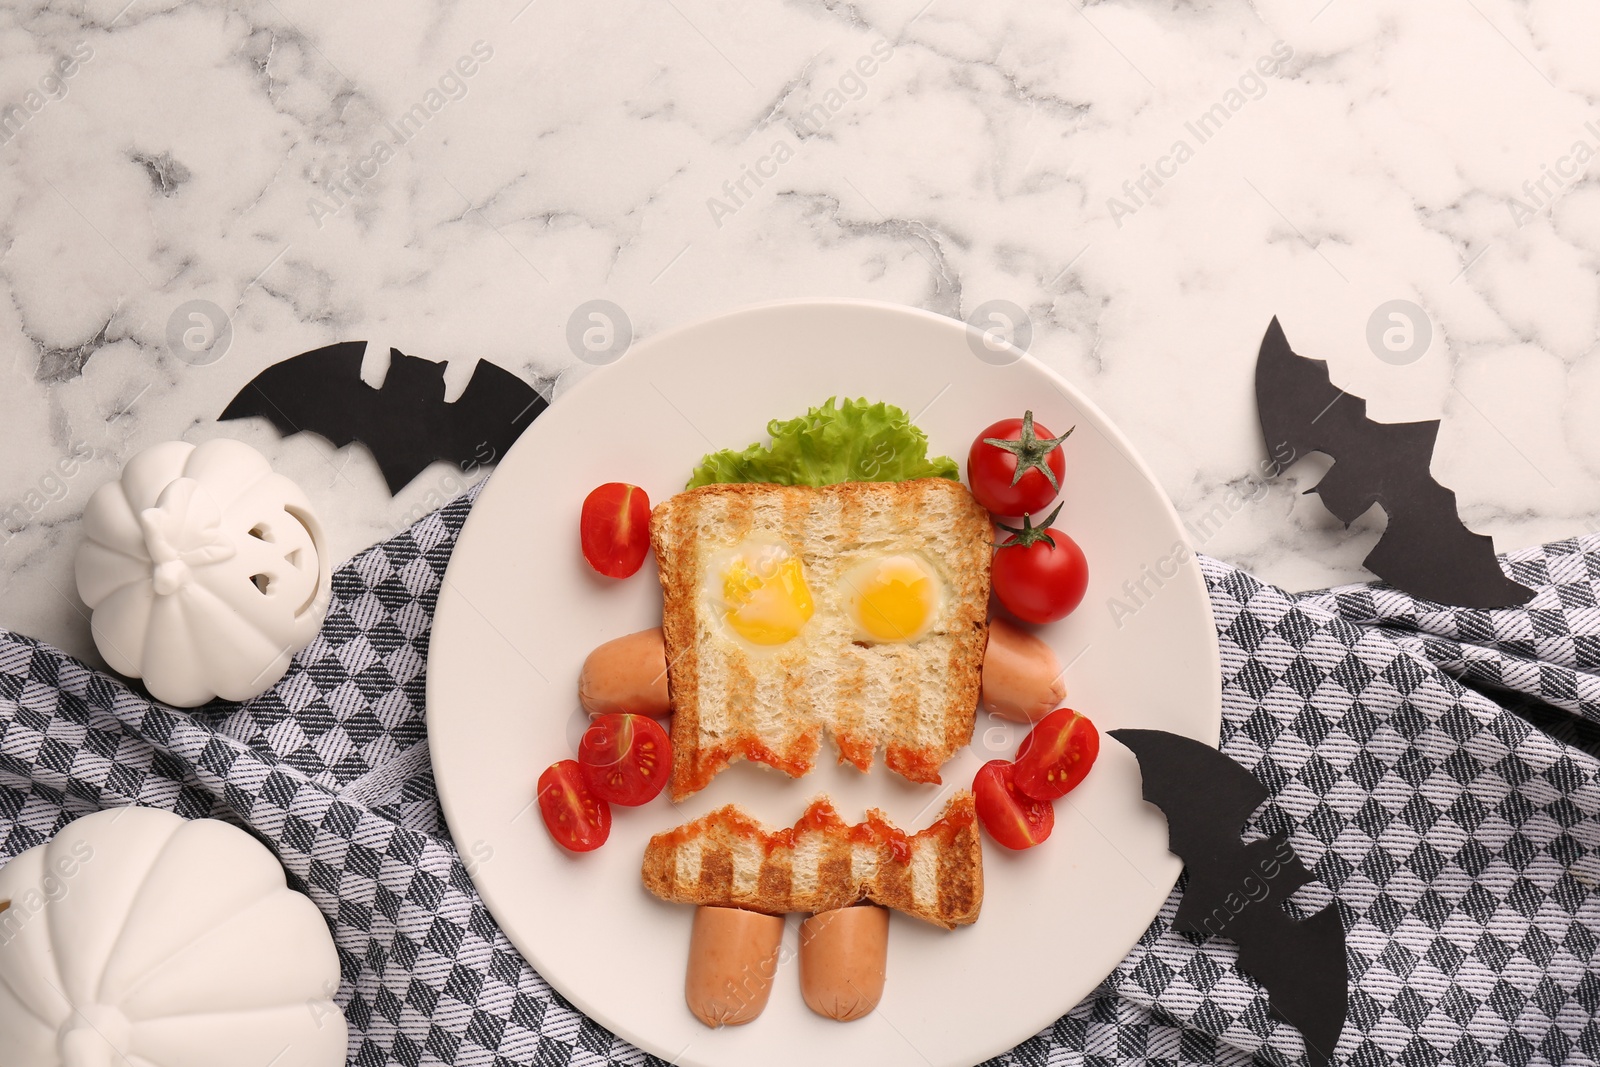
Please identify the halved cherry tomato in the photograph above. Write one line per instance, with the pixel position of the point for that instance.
(615, 529)
(575, 817)
(626, 759)
(1013, 819)
(1015, 467)
(1056, 754)
(1040, 575)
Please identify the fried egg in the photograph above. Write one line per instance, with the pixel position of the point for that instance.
(759, 590)
(892, 598)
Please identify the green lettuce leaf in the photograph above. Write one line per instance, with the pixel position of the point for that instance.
(853, 441)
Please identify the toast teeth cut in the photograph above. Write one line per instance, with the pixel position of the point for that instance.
(762, 675)
(726, 859)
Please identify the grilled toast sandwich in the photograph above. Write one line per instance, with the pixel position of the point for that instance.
(726, 859)
(857, 610)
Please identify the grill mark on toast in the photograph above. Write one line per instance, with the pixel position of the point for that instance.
(850, 509)
(716, 874)
(960, 888)
(738, 515)
(946, 904)
(952, 718)
(835, 881)
(799, 694)
(906, 710)
(907, 511)
(741, 701)
(856, 745)
(892, 887)
(795, 511)
(777, 877)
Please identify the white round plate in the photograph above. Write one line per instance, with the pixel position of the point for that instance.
(520, 610)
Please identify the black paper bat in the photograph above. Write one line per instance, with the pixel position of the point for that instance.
(1426, 550)
(406, 424)
(1237, 890)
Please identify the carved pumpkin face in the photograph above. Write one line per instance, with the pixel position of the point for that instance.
(206, 571)
(138, 937)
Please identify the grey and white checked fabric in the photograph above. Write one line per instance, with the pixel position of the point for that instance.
(1434, 767)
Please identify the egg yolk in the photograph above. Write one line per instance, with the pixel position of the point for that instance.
(768, 603)
(894, 599)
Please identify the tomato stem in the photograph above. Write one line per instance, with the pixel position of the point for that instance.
(1029, 534)
(1031, 450)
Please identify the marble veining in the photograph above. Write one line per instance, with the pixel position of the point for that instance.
(1150, 182)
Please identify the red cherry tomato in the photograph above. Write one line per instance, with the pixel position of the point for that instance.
(1056, 754)
(575, 817)
(626, 759)
(1014, 820)
(615, 529)
(1021, 473)
(1040, 575)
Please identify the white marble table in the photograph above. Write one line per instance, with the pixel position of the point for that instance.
(455, 179)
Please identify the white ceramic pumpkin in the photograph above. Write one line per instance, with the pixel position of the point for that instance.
(205, 570)
(137, 938)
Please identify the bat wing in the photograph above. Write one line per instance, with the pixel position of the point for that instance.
(1293, 394)
(1426, 549)
(1237, 889)
(1186, 778)
(406, 424)
(1303, 968)
(1431, 557)
(492, 413)
(304, 391)
(1207, 799)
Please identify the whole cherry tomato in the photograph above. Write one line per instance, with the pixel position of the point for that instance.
(1040, 575)
(1015, 467)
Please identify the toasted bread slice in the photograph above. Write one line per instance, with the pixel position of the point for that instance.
(732, 699)
(726, 859)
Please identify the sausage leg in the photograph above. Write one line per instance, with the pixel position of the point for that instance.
(733, 955)
(843, 961)
(627, 674)
(1021, 675)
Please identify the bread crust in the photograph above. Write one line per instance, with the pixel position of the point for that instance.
(727, 859)
(878, 692)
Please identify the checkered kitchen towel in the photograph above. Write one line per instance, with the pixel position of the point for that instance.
(1460, 840)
